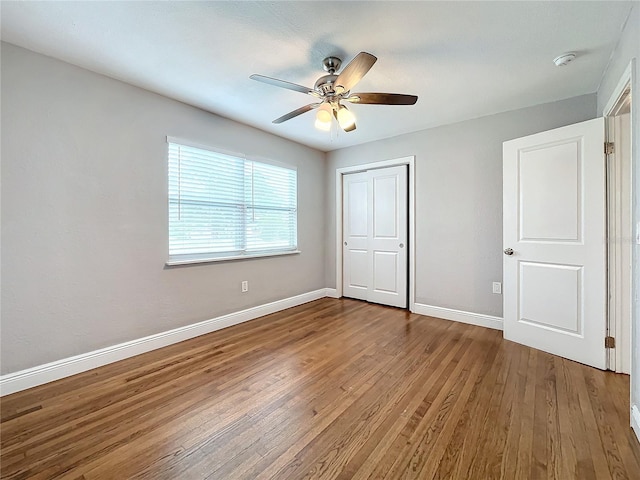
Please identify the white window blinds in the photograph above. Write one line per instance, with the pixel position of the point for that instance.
(225, 206)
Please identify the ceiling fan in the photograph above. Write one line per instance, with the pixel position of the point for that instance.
(332, 90)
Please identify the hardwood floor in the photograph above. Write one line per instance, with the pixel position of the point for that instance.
(334, 389)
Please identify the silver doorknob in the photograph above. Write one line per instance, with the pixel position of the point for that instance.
(508, 251)
(402, 245)
(345, 244)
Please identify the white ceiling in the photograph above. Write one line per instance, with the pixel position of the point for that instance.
(463, 59)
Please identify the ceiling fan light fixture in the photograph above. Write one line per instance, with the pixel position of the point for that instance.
(346, 119)
(333, 88)
(323, 118)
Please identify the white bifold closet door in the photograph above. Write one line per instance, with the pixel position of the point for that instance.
(375, 236)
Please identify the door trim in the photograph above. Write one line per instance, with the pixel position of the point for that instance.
(615, 268)
(630, 76)
(410, 161)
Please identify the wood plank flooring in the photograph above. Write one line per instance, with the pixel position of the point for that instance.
(333, 389)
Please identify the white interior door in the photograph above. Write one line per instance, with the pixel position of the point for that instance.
(555, 242)
(375, 236)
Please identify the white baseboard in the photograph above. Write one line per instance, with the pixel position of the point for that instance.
(635, 421)
(478, 319)
(32, 377)
(332, 292)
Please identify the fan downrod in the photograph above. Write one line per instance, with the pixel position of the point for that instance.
(331, 64)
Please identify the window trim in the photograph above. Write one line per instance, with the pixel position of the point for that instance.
(203, 258)
(199, 258)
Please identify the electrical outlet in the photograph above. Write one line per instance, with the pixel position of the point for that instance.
(497, 287)
(245, 286)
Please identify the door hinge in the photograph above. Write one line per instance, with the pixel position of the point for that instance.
(608, 148)
(609, 342)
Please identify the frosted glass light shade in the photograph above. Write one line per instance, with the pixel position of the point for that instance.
(346, 119)
(323, 118)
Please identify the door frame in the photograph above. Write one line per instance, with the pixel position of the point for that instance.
(629, 77)
(615, 327)
(410, 162)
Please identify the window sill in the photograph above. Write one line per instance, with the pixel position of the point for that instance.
(189, 261)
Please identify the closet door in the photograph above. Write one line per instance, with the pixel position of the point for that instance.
(355, 259)
(375, 236)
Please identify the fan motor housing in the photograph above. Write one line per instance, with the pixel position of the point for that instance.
(324, 85)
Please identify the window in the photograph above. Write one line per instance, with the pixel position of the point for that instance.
(222, 207)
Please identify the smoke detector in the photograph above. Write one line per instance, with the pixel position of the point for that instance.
(564, 59)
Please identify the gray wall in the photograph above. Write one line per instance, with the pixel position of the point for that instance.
(84, 214)
(627, 49)
(458, 199)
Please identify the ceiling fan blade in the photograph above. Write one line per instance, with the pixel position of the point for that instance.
(297, 112)
(382, 98)
(282, 84)
(353, 73)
